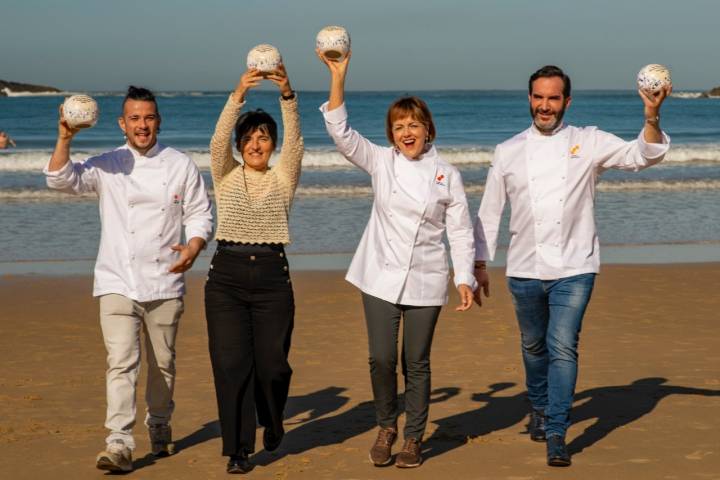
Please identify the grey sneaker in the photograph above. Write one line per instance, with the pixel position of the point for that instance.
(381, 451)
(409, 456)
(161, 440)
(115, 458)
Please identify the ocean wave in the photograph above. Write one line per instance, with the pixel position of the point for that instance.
(319, 191)
(686, 94)
(35, 160)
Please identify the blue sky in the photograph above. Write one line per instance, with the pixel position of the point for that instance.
(397, 44)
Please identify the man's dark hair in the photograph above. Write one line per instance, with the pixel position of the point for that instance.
(551, 71)
(258, 119)
(140, 93)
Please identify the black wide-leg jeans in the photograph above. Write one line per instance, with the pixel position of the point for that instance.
(250, 309)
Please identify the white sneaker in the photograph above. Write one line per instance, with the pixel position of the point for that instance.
(161, 440)
(115, 458)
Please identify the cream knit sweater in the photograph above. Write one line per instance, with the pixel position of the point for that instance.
(252, 206)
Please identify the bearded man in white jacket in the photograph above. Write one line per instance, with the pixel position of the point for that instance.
(548, 172)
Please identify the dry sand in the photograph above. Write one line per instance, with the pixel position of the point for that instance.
(647, 403)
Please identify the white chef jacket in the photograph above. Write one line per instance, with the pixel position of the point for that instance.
(144, 201)
(401, 257)
(550, 182)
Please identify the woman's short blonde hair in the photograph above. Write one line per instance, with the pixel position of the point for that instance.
(413, 107)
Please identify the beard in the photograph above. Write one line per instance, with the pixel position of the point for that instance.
(547, 127)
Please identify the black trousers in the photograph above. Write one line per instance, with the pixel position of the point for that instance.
(250, 309)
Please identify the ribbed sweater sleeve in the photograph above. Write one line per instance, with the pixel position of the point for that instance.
(222, 161)
(291, 154)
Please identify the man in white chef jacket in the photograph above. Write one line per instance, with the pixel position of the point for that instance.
(549, 172)
(147, 192)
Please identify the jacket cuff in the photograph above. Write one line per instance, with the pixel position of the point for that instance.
(653, 150)
(337, 115)
(467, 279)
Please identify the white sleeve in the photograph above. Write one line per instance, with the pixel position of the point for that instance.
(487, 222)
(73, 177)
(197, 213)
(353, 146)
(613, 152)
(460, 234)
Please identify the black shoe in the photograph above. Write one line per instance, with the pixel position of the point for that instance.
(557, 454)
(536, 426)
(272, 441)
(239, 464)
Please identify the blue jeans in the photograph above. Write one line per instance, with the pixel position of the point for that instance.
(550, 314)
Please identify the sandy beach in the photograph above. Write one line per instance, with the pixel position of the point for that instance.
(647, 403)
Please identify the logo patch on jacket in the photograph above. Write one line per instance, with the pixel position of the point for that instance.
(177, 199)
(439, 180)
(574, 151)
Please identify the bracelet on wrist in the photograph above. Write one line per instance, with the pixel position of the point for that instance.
(290, 96)
(480, 266)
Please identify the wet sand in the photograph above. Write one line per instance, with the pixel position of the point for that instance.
(647, 403)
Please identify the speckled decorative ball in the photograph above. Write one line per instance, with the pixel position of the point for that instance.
(653, 78)
(333, 42)
(264, 58)
(80, 111)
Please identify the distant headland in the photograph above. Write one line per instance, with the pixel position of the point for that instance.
(9, 89)
(713, 92)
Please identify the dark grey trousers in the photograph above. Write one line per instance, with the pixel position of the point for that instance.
(383, 324)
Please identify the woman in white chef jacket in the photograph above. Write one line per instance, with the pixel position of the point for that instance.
(401, 264)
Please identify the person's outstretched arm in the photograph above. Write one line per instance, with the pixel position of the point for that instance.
(60, 172)
(291, 152)
(222, 161)
(353, 146)
(648, 149)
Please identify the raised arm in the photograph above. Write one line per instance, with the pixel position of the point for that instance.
(222, 161)
(291, 152)
(61, 154)
(349, 142)
(60, 172)
(648, 149)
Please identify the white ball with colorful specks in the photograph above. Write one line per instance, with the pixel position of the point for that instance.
(80, 111)
(653, 78)
(333, 42)
(264, 58)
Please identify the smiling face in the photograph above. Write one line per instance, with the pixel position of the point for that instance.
(256, 147)
(409, 136)
(140, 123)
(548, 103)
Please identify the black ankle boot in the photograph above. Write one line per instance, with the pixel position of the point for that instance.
(557, 454)
(536, 426)
(239, 464)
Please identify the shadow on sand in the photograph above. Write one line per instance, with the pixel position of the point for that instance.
(612, 406)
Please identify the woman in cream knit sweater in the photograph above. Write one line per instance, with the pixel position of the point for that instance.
(249, 301)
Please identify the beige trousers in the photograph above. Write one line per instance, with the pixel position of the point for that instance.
(121, 320)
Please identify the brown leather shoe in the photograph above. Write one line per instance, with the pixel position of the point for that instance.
(410, 455)
(381, 451)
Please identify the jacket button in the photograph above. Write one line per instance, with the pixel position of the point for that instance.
(252, 257)
(285, 268)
